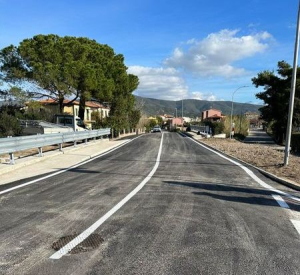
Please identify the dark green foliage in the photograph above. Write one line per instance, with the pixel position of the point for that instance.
(239, 137)
(134, 118)
(9, 124)
(276, 96)
(295, 142)
(216, 127)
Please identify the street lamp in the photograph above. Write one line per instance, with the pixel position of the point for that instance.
(230, 130)
(292, 95)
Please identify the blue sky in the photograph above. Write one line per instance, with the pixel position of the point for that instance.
(179, 49)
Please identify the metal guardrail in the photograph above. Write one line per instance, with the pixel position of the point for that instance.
(11, 145)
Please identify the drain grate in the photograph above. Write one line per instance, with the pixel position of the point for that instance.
(90, 243)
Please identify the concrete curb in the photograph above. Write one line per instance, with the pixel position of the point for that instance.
(51, 154)
(265, 173)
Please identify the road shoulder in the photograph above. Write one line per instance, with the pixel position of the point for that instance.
(269, 175)
(54, 161)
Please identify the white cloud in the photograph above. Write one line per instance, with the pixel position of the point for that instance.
(161, 83)
(215, 54)
(204, 96)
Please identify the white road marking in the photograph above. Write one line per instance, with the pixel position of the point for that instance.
(278, 198)
(250, 173)
(65, 170)
(80, 238)
(296, 225)
(281, 201)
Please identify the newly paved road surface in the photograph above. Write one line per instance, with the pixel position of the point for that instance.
(198, 214)
(259, 136)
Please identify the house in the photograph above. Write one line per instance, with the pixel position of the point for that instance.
(187, 119)
(73, 109)
(212, 115)
(166, 117)
(176, 121)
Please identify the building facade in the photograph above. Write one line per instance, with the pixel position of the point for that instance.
(73, 109)
(212, 115)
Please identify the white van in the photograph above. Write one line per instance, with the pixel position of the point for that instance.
(71, 121)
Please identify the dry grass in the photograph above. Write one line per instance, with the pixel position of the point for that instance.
(263, 156)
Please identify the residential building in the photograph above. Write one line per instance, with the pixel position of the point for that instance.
(187, 119)
(73, 109)
(176, 121)
(212, 115)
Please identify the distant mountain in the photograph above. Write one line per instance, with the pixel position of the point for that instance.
(192, 107)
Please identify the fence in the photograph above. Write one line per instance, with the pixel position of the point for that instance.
(11, 145)
(201, 129)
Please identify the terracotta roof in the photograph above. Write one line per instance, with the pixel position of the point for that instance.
(91, 104)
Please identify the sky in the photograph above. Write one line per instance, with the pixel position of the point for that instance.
(179, 49)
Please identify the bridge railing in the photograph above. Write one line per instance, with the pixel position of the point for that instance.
(10, 145)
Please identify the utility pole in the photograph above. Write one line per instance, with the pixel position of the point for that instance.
(292, 95)
(182, 114)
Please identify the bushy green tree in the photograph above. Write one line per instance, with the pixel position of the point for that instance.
(71, 67)
(276, 96)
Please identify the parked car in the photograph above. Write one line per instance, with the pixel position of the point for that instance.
(156, 129)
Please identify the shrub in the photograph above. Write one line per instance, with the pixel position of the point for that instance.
(241, 125)
(216, 127)
(9, 125)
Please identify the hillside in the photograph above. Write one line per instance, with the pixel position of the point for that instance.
(192, 107)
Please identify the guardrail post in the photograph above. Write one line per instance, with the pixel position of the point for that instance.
(11, 158)
(40, 151)
(75, 143)
(60, 147)
(85, 141)
(94, 139)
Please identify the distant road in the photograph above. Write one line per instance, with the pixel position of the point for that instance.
(258, 135)
(152, 206)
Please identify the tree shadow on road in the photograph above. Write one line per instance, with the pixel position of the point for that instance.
(236, 193)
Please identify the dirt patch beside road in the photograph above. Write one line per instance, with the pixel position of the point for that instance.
(265, 157)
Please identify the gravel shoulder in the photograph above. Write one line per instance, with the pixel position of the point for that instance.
(268, 158)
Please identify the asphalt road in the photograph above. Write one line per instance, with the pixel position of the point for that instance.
(197, 214)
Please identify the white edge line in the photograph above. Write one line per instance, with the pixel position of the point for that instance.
(296, 225)
(80, 238)
(281, 201)
(250, 173)
(67, 169)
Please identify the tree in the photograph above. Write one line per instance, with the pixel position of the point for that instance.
(134, 118)
(70, 67)
(58, 67)
(276, 98)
